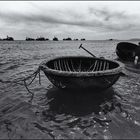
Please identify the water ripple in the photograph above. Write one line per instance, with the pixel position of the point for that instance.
(62, 114)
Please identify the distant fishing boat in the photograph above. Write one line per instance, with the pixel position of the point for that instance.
(8, 39)
(81, 72)
(127, 51)
(55, 39)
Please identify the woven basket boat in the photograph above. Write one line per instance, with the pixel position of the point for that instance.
(126, 51)
(81, 72)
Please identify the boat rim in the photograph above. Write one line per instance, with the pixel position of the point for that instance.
(50, 71)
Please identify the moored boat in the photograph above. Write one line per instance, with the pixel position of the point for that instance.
(81, 72)
(127, 51)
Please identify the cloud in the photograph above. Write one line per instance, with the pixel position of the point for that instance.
(97, 18)
(114, 20)
(34, 19)
(63, 17)
(107, 14)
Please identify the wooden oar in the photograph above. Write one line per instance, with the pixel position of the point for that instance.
(86, 50)
(121, 73)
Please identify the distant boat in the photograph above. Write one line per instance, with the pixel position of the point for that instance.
(111, 39)
(76, 39)
(55, 39)
(127, 51)
(83, 39)
(8, 39)
(40, 39)
(67, 39)
(29, 39)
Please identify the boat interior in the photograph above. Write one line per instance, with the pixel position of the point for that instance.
(81, 64)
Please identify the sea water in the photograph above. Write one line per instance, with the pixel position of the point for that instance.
(55, 113)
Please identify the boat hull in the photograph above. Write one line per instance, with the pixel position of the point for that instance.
(127, 51)
(101, 82)
(82, 72)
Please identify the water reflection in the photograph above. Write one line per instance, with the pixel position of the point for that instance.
(82, 102)
(80, 113)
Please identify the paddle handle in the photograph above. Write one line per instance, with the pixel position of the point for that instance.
(121, 73)
(86, 50)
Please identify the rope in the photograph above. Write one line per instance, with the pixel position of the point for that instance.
(32, 76)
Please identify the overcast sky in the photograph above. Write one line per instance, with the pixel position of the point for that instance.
(75, 19)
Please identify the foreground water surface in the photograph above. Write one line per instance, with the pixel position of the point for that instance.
(55, 113)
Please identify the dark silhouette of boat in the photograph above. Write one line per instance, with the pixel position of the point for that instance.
(81, 72)
(67, 39)
(83, 39)
(29, 39)
(8, 39)
(127, 51)
(55, 39)
(76, 39)
(40, 39)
